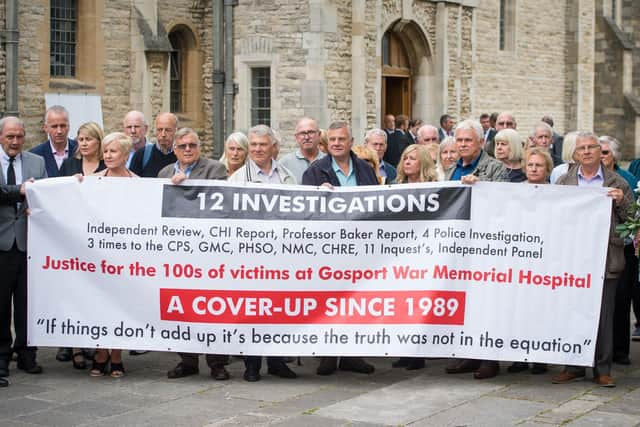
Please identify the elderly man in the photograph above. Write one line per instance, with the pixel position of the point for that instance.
(340, 168)
(542, 137)
(135, 127)
(557, 139)
(17, 168)
(58, 145)
(505, 120)
(191, 166)
(389, 124)
(591, 173)
(428, 136)
(150, 159)
(376, 139)
(308, 139)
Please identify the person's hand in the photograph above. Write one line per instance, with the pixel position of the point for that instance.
(79, 177)
(327, 185)
(616, 194)
(178, 178)
(469, 179)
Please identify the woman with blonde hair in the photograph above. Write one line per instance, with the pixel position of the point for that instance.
(416, 165)
(88, 156)
(371, 157)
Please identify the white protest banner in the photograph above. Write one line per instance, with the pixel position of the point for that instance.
(493, 271)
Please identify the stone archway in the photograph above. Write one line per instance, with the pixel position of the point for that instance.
(408, 72)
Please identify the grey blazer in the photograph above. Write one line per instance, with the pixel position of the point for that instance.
(204, 169)
(13, 225)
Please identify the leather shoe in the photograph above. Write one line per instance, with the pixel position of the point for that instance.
(251, 375)
(4, 368)
(4, 382)
(327, 366)
(280, 369)
(181, 370)
(567, 377)
(518, 367)
(356, 364)
(463, 366)
(63, 354)
(403, 362)
(487, 370)
(539, 368)
(220, 373)
(416, 363)
(28, 364)
(622, 359)
(604, 381)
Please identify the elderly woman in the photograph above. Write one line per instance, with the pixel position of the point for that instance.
(416, 165)
(568, 156)
(538, 166)
(115, 152)
(236, 148)
(447, 155)
(371, 157)
(508, 149)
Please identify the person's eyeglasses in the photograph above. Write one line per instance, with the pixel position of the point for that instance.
(585, 148)
(605, 152)
(190, 146)
(307, 134)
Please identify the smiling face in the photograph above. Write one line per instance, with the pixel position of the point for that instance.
(261, 150)
(88, 145)
(448, 156)
(187, 150)
(340, 143)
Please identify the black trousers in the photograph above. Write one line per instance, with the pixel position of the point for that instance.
(191, 359)
(13, 288)
(256, 361)
(626, 290)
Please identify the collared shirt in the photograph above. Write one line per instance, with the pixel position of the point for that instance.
(596, 181)
(297, 163)
(381, 169)
(345, 180)
(133, 151)
(59, 157)
(17, 166)
(273, 177)
(461, 170)
(170, 150)
(187, 171)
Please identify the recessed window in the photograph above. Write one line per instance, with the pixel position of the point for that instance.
(175, 77)
(507, 25)
(63, 20)
(261, 96)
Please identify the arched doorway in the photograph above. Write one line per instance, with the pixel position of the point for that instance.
(396, 76)
(408, 82)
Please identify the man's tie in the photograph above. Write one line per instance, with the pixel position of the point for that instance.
(11, 173)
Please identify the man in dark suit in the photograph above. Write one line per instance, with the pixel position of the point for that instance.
(446, 126)
(59, 146)
(341, 167)
(17, 168)
(398, 141)
(376, 139)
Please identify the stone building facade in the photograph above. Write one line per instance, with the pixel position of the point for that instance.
(352, 60)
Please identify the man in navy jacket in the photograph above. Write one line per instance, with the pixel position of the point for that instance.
(59, 146)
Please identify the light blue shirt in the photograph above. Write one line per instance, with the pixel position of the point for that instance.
(273, 177)
(345, 180)
(596, 181)
(187, 171)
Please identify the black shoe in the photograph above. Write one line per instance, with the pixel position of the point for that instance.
(63, 354)
(327, 366)
(181, 370)
(28, 364)
(4, 368)
(416, 363)
(463, 366)
(251, 375)
(539, 368)
(4, 382)
(403, 362)
(622, 359)
(518, 367)
(78, 360)
(356, 364)
(137, 352)
(219, 373)
(280, 369)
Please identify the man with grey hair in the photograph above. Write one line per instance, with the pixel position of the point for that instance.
(376, 139)
(590, 173)
(505, 120)
(308, 139)
(135, 127)
(541, 137)
(58, 146)
(557, 140)
(340, 168)
(18, 167)
(261, 165)
(147, 162)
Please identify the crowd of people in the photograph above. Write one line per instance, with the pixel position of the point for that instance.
(405, 151)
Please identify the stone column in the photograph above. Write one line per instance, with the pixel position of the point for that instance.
(358, 70)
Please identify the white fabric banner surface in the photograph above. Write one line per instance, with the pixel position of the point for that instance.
(495, 271)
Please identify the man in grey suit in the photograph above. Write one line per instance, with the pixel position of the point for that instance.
(190, 165)
(17, 167)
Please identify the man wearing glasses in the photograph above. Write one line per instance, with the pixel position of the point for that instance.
(148, 161)
(505, 120)
(591, 173)
(308, 137)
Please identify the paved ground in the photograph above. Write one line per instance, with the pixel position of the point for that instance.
(62, 396)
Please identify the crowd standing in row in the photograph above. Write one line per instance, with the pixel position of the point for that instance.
(405, 151)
